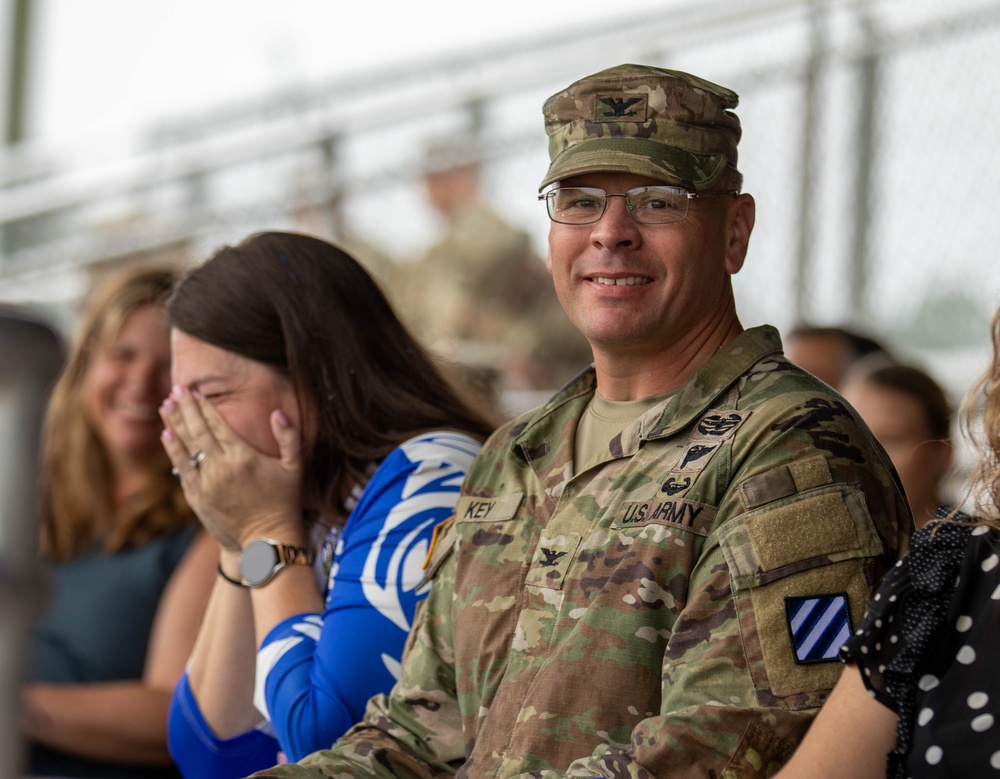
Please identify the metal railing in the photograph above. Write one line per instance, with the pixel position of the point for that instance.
(32, 357)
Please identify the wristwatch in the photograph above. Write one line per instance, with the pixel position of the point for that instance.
(263, 558)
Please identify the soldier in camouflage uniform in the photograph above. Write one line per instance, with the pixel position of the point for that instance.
(480, 295)
(651, 575)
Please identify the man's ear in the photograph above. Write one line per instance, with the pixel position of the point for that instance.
(739, 224)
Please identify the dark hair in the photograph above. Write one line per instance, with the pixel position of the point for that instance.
(858, 345)
(731, 178)
(918, 385)
(311, 312)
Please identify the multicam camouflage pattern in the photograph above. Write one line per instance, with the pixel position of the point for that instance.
(617, 618)
(665, 124)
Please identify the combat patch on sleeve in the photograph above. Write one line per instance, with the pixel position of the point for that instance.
(440, 529)
(818, 625)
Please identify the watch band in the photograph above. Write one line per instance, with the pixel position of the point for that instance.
(230, 579)
(292, 555)
(263, 558)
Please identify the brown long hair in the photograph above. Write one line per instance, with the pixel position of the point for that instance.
(987, 436)
(311, 312)
(77, 493)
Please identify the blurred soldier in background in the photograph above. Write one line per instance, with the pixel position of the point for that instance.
(480, 295)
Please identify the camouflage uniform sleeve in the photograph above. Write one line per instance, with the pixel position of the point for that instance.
(739, 685)
(415, 730)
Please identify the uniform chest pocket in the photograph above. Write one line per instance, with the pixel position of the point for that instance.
(551, 561)
(489, 545)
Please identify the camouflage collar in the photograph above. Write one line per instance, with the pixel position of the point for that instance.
(714, 378)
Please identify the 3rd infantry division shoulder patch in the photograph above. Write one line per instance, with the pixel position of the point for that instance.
(818, 626)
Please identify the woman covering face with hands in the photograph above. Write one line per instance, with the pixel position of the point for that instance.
(230, 409)
(320, 446)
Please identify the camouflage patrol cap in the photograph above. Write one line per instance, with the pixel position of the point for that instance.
(664, 124)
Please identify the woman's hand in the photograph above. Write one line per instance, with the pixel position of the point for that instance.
(238, 493)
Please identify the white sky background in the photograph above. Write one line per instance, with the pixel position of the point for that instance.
(104, 66)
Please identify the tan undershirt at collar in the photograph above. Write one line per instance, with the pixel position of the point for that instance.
(604, 419)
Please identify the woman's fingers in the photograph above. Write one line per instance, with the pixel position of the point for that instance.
(188, 437)
(172, 443)
(236, 490)
(213, 424)
(188, 420)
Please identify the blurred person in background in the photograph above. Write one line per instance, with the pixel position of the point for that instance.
(920, 696)
(909, 414)
(480, 294)
(320, 446)
(829, 352)
(128, 571)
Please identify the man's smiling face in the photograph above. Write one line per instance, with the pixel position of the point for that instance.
(635, 287)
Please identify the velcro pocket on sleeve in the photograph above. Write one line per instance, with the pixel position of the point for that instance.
(804, 548)
(825, 525)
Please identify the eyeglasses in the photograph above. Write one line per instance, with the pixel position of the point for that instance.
(649, 205)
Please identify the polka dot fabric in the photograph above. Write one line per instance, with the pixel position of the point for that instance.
(927, 649)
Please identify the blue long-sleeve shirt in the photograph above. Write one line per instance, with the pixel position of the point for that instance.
(316, 672)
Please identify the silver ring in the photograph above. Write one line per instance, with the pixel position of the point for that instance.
(197, 458)
(175, 472)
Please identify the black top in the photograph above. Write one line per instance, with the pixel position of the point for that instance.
(927, 649)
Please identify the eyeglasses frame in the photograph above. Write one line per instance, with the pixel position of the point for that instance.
(548, 195)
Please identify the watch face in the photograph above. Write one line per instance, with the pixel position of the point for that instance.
(258, 562)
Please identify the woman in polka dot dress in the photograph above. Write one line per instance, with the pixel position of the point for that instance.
(920, 697)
